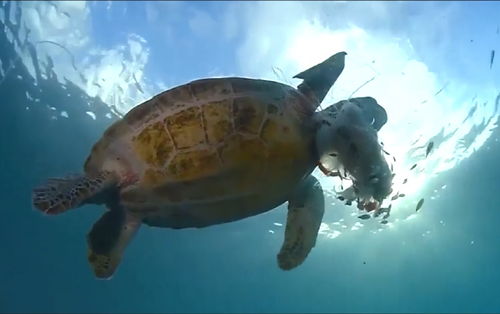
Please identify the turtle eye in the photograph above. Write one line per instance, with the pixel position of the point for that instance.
(333, 154)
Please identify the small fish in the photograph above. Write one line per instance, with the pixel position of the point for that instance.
(497, 102)
(442, 88)
(429, 148)
(395, 197)
(386, 152)
(276, 72)
(415, 141)
(82, 77)
(405, 180)
(492, 58)
(137, 85)
(364, 217)
(384, 222)
(388, 212)
(413, 167)
(124, 67)
(419, 204)
(394, 158)
(402, 195)
(471, 112)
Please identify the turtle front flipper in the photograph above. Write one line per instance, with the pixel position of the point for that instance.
(108, 239)
(57, 195)
(305, 212)
(319, 79)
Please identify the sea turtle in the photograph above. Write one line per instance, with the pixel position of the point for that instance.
(222, 149)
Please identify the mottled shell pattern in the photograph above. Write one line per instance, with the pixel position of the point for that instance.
(202, 128)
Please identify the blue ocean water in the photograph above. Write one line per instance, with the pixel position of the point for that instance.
(442, 259)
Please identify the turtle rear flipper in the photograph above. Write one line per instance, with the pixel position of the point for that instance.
(57, 195)
(108, 239)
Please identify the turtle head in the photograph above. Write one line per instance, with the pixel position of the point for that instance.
(347, 141)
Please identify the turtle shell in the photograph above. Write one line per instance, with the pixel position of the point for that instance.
(210, 151)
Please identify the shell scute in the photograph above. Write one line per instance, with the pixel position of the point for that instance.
(209, 89)
(248, 115)
(186, 128)
(217, 117)
(153, 145)
(238, 150)
(243, 85)
(181, 94)
(270, 130)
(143, 114)
(190, 165)
(272, 109)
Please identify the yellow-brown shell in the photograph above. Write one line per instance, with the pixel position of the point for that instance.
(235, 129)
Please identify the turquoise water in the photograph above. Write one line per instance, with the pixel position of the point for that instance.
(108, 57)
